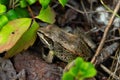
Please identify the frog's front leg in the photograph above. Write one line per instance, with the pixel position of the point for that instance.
(49, 57)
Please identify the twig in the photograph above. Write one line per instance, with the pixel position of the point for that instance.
(77, 10)
(31, 12)
(84, 10)
(109, 72)
(108, 8)
(105, 33)
(111, 40)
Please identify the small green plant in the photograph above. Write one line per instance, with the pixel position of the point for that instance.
(80, 71)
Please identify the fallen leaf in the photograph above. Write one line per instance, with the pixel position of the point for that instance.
(25, 41)
(12, 32)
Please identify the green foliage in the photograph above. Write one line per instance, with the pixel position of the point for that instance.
(46, 14)
(80, 71)
(25, 3)
(5, 2)
(16, 13)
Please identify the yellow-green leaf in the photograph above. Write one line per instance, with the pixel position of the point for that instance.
(25, 41)
(63, 2)
(2, 8)
(11, 33)
(47, 15)
(44, 3)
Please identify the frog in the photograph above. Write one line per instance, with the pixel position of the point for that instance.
(63, 45)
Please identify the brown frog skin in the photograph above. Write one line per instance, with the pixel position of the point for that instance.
(65, 46)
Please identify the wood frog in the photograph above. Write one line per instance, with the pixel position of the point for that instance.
(64, 45)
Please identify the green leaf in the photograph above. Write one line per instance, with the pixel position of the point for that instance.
(4, 20)
(47, 15)
(22, 12)
(74, 70)
(25, 41)
(63, 2)
(31, 1)
(83, 69)
(5, 2)
(11, 14)
(23, 3)
(67, 76)
(78, 61)
(90, 72)
(44, 3)
(2, 8)
(11, 33)
(17, 13)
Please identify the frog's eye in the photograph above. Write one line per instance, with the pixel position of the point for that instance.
(45, 40)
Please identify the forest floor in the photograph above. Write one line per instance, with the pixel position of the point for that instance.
(95, 20)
